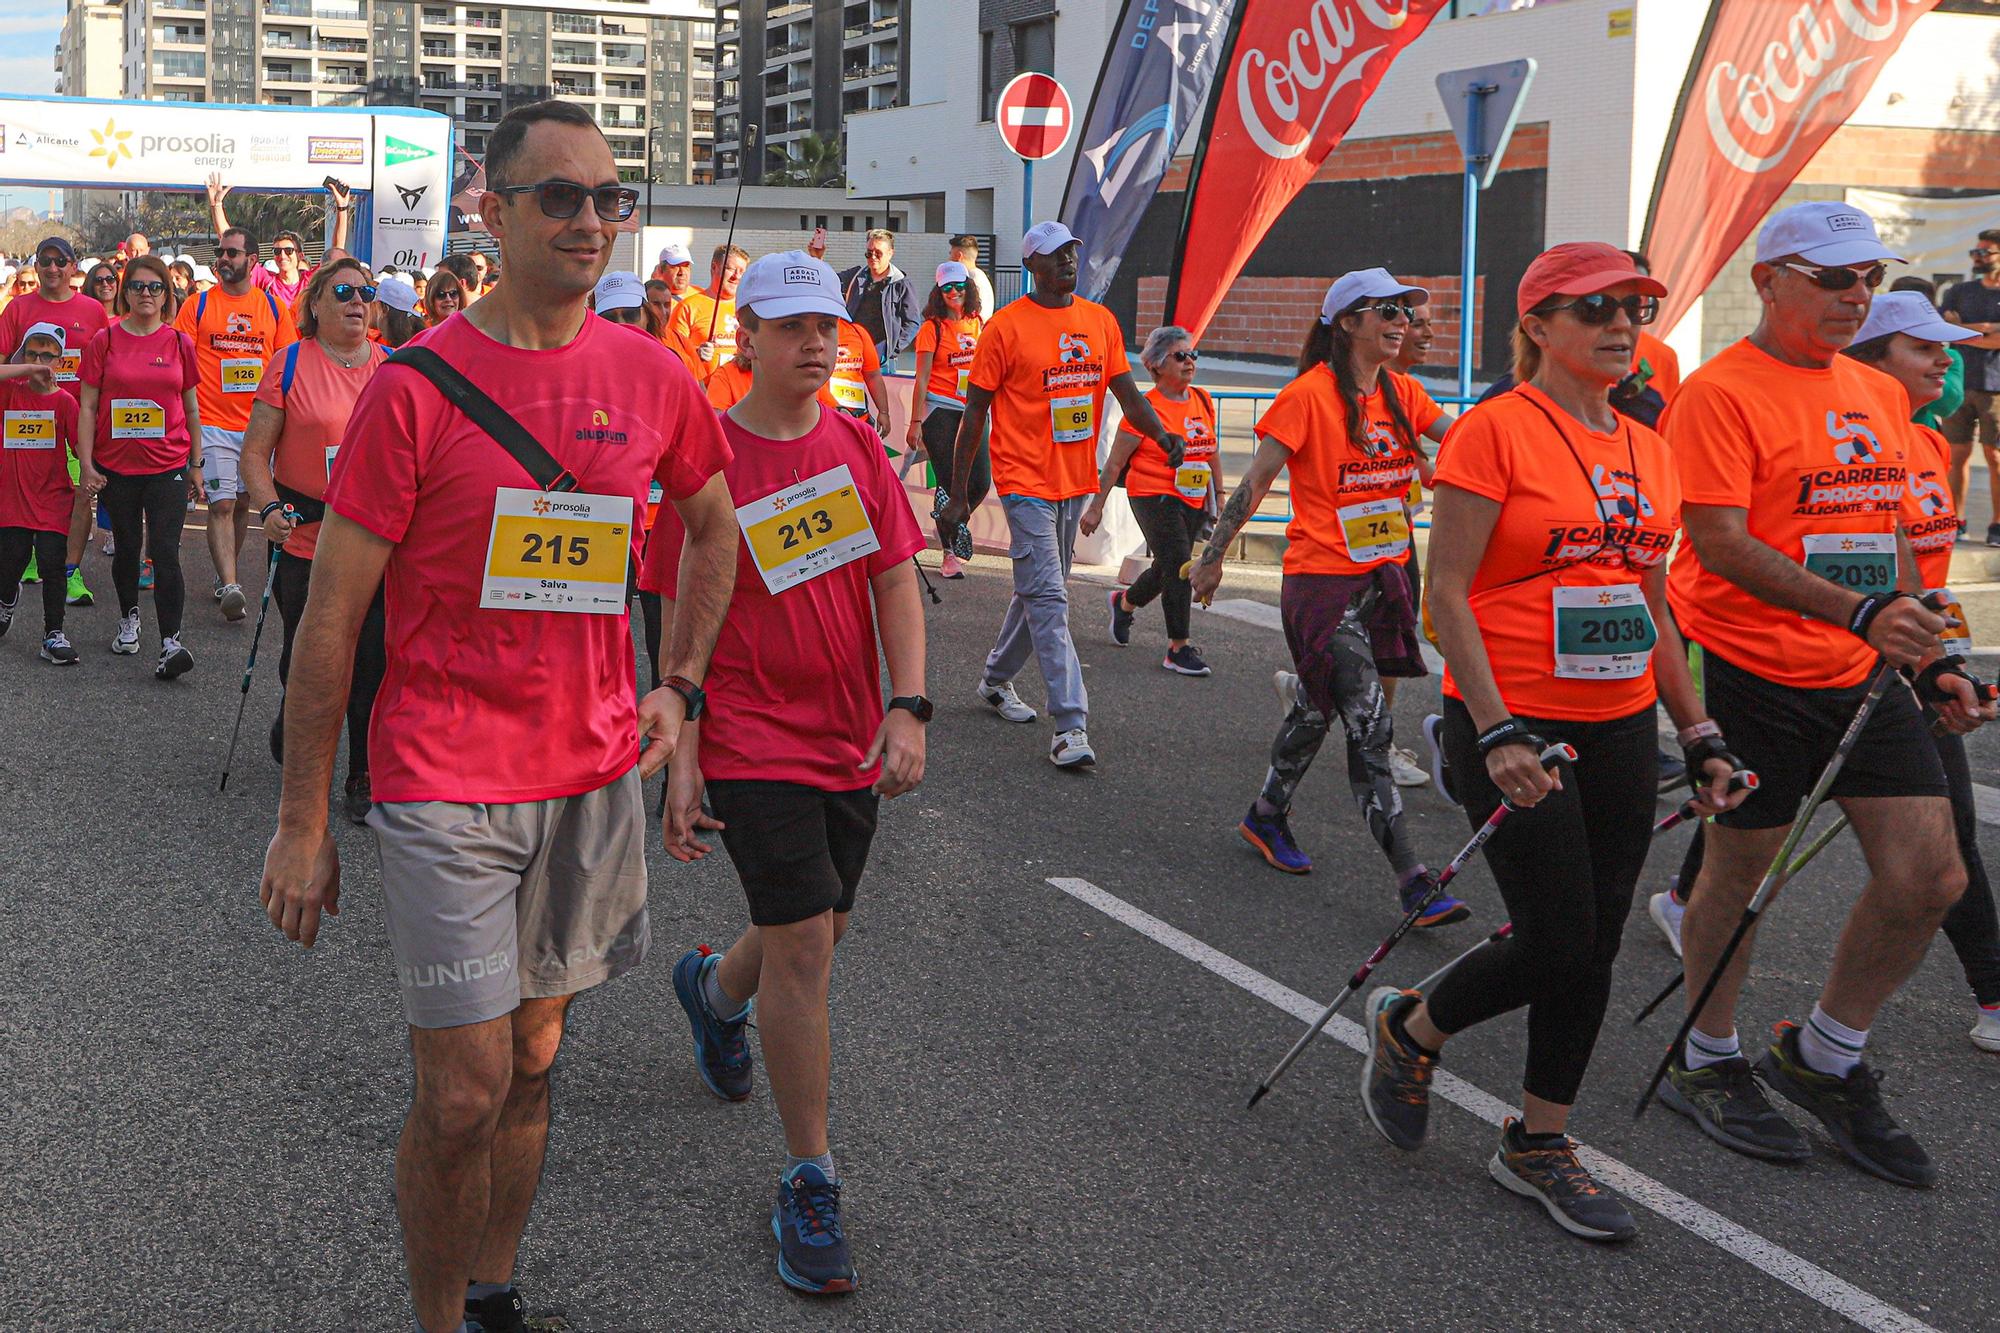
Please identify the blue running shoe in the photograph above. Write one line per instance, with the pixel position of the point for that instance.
(1273, 840)
(1444, 909)
(720, 1051)
(812, 1249)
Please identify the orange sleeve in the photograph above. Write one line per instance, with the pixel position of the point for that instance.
(926, 337)
(1712, 446)
(1290, 420)
(1475, 457)
(989, 362)
(184, 320)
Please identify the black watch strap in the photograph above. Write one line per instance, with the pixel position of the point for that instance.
(695, 697)
(914, 704)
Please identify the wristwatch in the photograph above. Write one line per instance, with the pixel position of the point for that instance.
(695, 697)
(914, 704)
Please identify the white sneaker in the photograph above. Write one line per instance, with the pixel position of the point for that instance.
(56, 648)
(1986, 1032)
(1072, 749)
(128, 634)
(1405, 770)
(234, 604)
(1287, 686)
(7, 612)
(1667, 914)
(174, 660)
(1005, 702)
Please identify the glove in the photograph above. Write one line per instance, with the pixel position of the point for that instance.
(1703, 749)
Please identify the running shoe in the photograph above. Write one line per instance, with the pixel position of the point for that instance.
(1005, 702)
(234, 605)
(174, 659)
(1071, 749)
(1851, 1110)
(1273, 840)
(1673, 771)
(1726, 1104)
(7, 615)
(33, 573)
(1444, 909)
(1404, 770)
(1121, 619)
(1396, 1077)
(78, 594)
(56, 648)
(1287, 686)
(218, 588)
(357, 798)
(720, 1052)
(1552, 1177)
(1985, 1033)
(1667, 911)
(145, 576)
(812, 1249)
(127, 641)
(949, 567)
(1185, 661)
(500, 1312)
(1440, 771)
(110, 547)
(1993, 534)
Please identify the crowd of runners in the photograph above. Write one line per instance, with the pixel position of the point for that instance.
(462, 487)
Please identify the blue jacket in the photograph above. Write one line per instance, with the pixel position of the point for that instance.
(902, 310)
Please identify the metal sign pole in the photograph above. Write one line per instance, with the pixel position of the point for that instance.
(1027, 195)
(1475, 99)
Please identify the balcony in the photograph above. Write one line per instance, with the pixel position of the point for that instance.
(482, 21)
(290, 76)
(785, 11)
(179, 36)
(575, 90)
(491, 53)
(195, 68)
(576, 23)
(623, 59)
(623, 92)
(187, 6)
(856, 76)
(611, 122)
(785, 52)
(343, 78)
(438, 50)
(291, 9)
(787, 91)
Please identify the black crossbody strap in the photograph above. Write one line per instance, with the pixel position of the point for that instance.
(489, 416)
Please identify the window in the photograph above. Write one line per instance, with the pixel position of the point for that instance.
(989, 76)
(1035, 46)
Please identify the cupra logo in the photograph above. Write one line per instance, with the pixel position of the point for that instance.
(111, 144)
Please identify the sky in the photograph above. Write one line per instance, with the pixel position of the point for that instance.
(28, 32)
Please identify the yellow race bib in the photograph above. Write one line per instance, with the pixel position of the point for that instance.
(557, 551)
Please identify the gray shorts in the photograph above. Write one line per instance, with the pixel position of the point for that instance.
(489, 905)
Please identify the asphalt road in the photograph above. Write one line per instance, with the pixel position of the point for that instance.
(1038, 1108)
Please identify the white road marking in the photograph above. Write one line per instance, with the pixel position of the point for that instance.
(1801, 1275)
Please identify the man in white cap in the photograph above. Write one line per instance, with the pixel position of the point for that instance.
(676, 270)
(1798, 584)
(620, 297)
(798, 748)
(1040, 374)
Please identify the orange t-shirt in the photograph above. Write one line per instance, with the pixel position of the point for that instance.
(1665, 364)
(234, 336)
(688, 328)
(1348, 510)
(951, 368)
(1193, 419)
(1929, 519)
(728, 385)
(847, 390)
(1819, 459)
(1047, 371)
(1583, 517)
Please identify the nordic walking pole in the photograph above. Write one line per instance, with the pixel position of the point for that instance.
(1738, 781)
(935, 599)
(270, 577)
(715, 311)
(1360, 978)
(1773, 877)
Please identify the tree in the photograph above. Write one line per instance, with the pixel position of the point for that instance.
(815, 163)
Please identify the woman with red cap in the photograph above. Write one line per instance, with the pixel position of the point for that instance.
(1551, 640)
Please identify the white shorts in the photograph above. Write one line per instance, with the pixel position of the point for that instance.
(222, 462)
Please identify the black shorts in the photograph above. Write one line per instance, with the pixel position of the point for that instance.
(799, 851)
(1788, 734)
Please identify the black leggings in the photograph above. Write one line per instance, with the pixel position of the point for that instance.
(650, 609)
(149, 508)
(49, 549)
(371, 657)
(1566, 870)
(940, 445)
(1170, 524)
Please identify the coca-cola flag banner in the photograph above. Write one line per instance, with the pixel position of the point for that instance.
(1294, 78)
(1162, 58)
(1768, 84)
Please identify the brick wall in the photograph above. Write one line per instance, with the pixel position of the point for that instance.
(1267, 317)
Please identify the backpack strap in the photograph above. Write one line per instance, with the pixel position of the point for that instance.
(273, 301)
(489, 416)
(200, 309)
(291, 370)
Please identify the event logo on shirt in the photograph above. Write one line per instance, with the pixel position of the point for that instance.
(1075, 368)
(239, 323)
(1073, 347)
(1852, 441)
(1929, 493)
(1619, 499)
(1865, 478)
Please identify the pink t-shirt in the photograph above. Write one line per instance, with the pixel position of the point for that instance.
(80, 319)
(507, 706)
(35, 441)
(316, 410)
(795, 685)
(140, 374)
(287, 292)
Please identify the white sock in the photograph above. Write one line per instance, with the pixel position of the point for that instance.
(1703, 1050)
(1829, 1046)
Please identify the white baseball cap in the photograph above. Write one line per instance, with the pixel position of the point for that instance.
(675, 254)
(952, 271)
(791, 283)
(1045, 238)
(620, 291)
(1822, 233)
(43, 330)
(1911, 313)
(203, 273)
(397, 295)
(1364, 284)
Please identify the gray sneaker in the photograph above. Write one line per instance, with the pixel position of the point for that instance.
(1002, 699)
(1071, 749)
(234, 604)
(1726, 1104)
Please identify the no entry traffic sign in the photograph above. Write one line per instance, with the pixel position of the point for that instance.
(1034, 116)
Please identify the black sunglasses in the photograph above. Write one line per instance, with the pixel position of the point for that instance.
(1840, 279)
(52, 261)
(1186, 356)
(154, 288)
(1983, 253)
(106, 277)
(344, 292)
(229, 251)
(1599, 308)
(562, 200)
(1392, 310)
(284, 249)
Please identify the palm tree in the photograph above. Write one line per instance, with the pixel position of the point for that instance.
(815, 162)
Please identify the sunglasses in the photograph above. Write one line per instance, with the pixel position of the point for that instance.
(1841, 279)
(231, 252)
(344, 292)
(103, 278)
(284, 249)
(1598, 308)
(1391, 310)
(42, 358)
(154, 288)
(1983, 254)
(1186, 356)
(562, 200)
(52, 261)
(958, 287)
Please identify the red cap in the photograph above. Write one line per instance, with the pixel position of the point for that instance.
(1579, 268)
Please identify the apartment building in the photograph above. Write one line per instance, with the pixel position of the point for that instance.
(794, 68)
(645, 68)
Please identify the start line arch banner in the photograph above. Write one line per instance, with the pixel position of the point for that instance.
(401, 156)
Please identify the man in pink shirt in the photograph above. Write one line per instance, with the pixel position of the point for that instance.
(289, 249)
(505, 742)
